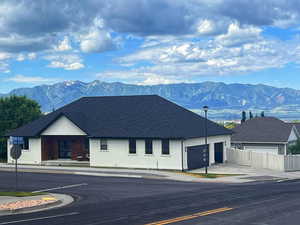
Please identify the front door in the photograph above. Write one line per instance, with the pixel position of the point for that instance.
(64, 149)
(219, 152)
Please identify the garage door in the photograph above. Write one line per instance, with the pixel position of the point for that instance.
(197, 157)
(219, 152)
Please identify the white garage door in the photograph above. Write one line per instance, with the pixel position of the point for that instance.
(268, 149)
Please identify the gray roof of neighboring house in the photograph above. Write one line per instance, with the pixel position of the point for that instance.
(141, 116)
(262, 130)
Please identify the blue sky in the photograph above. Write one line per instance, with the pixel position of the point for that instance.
(148, 42)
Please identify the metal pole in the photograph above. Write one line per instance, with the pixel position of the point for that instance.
(16, 169)
(206, 147)
(206, 141)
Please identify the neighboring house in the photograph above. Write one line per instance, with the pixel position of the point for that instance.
(264, 134)
(297, 125)
(144, 131)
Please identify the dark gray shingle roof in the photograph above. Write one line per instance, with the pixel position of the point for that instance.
(127, 116)
(262, 130)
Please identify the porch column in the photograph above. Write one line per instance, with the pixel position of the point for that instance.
(285, 149)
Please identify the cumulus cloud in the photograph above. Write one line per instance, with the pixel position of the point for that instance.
(28, 25)
(153, 79)
(4, 67)
(97, 41)
(64, 45)
(5, 55)
(240, 50)
(66, 62)
(237, 36)
(177, 38)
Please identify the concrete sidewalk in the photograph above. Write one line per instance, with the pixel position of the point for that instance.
(12, 205)
(248, 174)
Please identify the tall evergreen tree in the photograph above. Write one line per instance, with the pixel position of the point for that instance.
(250, 115)
(243, 117)
(262, 114)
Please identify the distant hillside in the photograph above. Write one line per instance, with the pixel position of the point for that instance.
(216, 95)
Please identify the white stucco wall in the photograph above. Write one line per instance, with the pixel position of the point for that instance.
(226, 139)
(63, 126)
(118, 155)
(31, 156)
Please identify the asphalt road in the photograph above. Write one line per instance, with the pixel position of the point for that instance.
(104, 200)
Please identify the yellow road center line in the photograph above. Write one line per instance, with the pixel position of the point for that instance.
(188, 217)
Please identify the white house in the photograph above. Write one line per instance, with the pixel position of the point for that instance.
(145, 131)
(265, 134)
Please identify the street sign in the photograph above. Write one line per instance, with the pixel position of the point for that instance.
(16, 152)
(16, 140)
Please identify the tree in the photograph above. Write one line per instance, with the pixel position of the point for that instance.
(262, 114)
(230, 125)
(243, 117)
(250, 115)
(295, 148)
(15, 111)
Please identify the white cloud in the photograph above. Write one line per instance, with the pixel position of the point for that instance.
(239, 36)
(66, 62)
(28, 79)
(20, 57)
(96, 41)
(4, 67)
(245, 51)
(153, 79)
(5, 55)
(31, 56)
(64, 45)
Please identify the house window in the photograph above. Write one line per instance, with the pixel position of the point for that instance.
(165, 146)
(132, 146)
(148, 146)
(103, 144)
(26, 143)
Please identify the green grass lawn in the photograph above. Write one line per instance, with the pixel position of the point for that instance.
(19, 193)
(210, 175)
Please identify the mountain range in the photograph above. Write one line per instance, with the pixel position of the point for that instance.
(224, 100)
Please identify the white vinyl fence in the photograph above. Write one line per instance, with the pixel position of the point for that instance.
(264, 160)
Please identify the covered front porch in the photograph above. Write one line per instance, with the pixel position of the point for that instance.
(64, 149)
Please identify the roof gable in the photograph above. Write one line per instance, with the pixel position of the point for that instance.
(63, 126)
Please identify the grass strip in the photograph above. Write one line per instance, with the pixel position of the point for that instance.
(19, 194)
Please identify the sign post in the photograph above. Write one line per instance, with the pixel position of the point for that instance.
(15, 153)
